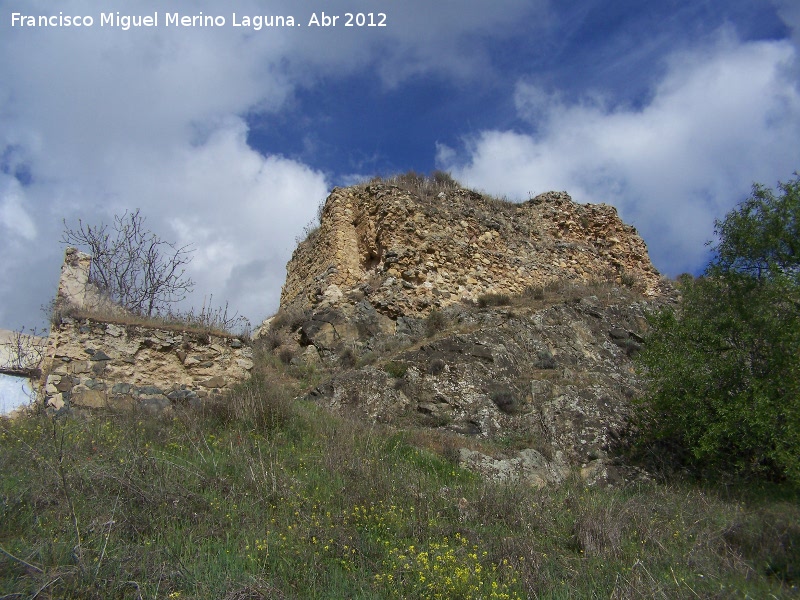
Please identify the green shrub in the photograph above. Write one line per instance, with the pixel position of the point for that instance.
(444, 179)
(347, 358)
(723, 370)
(627, 279)
(395, 369)
(507, 401)
(436, 366)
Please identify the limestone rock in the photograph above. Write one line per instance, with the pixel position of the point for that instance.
(551, 376)
(528, 465)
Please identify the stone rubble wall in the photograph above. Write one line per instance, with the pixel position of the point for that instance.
(408, 255)
(76, 291)
(95, 364)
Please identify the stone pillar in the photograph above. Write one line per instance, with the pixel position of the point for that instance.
(74, 282)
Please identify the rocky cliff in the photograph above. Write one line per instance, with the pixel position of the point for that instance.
(508, 326)
(409, 253)
(548, 382)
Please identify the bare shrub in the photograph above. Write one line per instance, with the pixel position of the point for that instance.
(493, 299)
(273, 339)
(211, 318)
(424, 187)
(535, 292)
(23, 351)
(291, 318)
(259, 402)
(131, 265)
(435, 322)
(286, 355)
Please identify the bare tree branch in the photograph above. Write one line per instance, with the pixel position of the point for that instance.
(132, 265)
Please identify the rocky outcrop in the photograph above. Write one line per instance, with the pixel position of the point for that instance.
(408, 255)
(403, 287)
(554, 384)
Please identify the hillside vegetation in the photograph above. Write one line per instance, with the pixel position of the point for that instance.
(265, 497)
(724, 367)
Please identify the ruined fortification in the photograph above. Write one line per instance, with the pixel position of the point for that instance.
(408, 253)
(98, 356)
(552, 366)
(449, 309)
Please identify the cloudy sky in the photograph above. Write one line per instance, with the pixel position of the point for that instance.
(229, 137)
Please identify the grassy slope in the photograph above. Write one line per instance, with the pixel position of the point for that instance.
(267, 498)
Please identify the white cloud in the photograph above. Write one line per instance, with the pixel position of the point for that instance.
(725, 115)
(230, 203)
(105, 120)
(14, 219)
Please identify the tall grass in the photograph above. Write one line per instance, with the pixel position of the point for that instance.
(263, 496)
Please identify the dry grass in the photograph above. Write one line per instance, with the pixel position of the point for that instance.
(266, 497)
(181, 323)
(260, 495)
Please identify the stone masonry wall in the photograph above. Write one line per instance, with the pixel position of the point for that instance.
(408, 255)
(97, 364)
(113, 361)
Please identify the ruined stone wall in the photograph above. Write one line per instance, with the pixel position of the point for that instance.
(98, 364)
(114, 361)
(408, 254)
(76, 291)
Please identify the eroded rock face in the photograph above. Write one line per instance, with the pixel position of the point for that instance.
(550, 382)
(553, 383)
(408, 255)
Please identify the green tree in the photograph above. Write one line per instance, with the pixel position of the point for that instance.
(723, 369)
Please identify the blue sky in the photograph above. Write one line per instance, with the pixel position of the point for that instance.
(229, 138)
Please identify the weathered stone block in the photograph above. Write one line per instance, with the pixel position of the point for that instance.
(122, 389)
(80, 366)
(214, 382)
(87, 398)
(149, 390)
